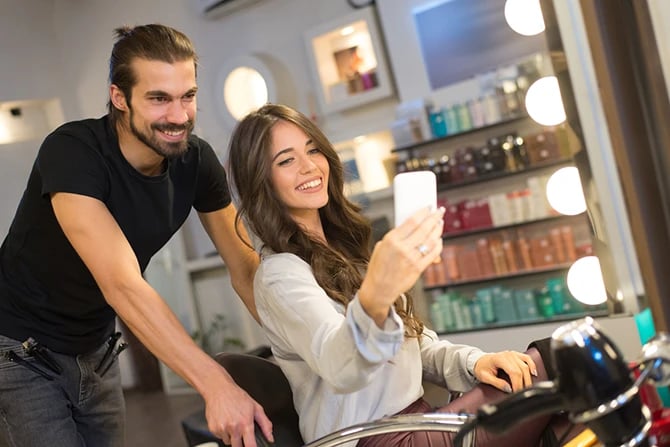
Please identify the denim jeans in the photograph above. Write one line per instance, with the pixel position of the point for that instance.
(77, 408)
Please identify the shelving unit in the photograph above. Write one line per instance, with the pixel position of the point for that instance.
(454, 136)
(521, 278)
(489, 279)
(483, 230)
(540, 321)
(501, 175)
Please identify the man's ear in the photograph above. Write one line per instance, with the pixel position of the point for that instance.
(117, 98)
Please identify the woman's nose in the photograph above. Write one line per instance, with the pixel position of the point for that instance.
(307, 165)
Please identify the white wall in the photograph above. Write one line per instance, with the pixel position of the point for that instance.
(86, 29)
(30, 51)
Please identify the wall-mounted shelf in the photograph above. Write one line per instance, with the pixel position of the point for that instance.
(540, 320)
(483, 230)
(454, 136)
(348, 62)
(502, 174)
(489, 279)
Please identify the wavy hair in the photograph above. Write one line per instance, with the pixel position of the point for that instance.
(338, 266)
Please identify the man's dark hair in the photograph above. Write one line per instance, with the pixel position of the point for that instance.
(151, 42)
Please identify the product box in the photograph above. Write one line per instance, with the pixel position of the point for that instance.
(450, 261)
(562, 301)
(468, 264)
(542, 147)
(511, 256)
(416, 112)
(541, 252)
(519, 205)
(544, 303)
(489, 159)
(465, 163)
(451, 218)
(484, 257)
(485, 299)
(406, 131)
(538, 204)
(504, 307)
(500, 209)
(526, 307)
(475, 214)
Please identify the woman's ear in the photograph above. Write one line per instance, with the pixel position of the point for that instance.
(117, 98)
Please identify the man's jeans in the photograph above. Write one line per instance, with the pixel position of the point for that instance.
(77, 408)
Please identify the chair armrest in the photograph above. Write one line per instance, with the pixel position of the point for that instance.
(449, 422)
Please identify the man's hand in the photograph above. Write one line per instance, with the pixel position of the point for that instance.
(231, 414)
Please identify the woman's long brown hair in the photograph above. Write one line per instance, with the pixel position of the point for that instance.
(338, 266)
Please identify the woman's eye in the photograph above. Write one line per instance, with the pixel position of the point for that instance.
(285, 161)
(314, 151)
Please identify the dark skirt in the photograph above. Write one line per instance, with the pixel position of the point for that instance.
(533, 432)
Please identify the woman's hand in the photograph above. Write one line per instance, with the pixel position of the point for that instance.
(518, 366)
(398, 260)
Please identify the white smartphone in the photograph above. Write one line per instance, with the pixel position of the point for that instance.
(413, 191)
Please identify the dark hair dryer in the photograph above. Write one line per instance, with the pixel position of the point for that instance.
(597, 385)
(593, 384)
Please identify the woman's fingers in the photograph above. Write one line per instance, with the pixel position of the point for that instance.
(402, 255)
(518, 367)
(422, 231)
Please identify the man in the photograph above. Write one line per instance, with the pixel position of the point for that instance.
(105, 195)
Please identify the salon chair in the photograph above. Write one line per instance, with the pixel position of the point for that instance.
(194, 426)
(265, 382)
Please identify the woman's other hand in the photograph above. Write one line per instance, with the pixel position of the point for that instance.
(398, 260)
(519, 368)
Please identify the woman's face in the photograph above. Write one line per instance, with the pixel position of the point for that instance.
(299, 172)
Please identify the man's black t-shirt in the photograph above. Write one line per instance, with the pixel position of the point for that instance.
(46, 291)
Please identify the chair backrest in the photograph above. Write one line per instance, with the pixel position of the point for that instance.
(265, 382)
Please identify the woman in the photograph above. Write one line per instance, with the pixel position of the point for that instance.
(338, 318)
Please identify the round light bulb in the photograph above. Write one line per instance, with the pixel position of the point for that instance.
(524, 16)
(244, 91)
(565, 193)
(585, 281)
(544, 103)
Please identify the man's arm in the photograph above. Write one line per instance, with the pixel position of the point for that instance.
(241, 260)
(97, 238)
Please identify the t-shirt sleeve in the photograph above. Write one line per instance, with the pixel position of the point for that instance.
(212, 191)
(67, 164)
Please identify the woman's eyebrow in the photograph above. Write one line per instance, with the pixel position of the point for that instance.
(283, 151)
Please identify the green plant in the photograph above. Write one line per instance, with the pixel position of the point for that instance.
(214, 338)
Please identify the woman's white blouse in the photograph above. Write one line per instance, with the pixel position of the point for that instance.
(342, 368)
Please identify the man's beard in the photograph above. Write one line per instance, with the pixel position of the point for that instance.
(163, 148)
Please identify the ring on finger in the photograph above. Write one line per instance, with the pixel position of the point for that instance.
(423, 249)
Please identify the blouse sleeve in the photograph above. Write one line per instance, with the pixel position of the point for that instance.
(301, 320)
(448, 364)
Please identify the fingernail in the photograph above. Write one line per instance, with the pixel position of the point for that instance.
(442, 210)
(507, 388)
(534, 372)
